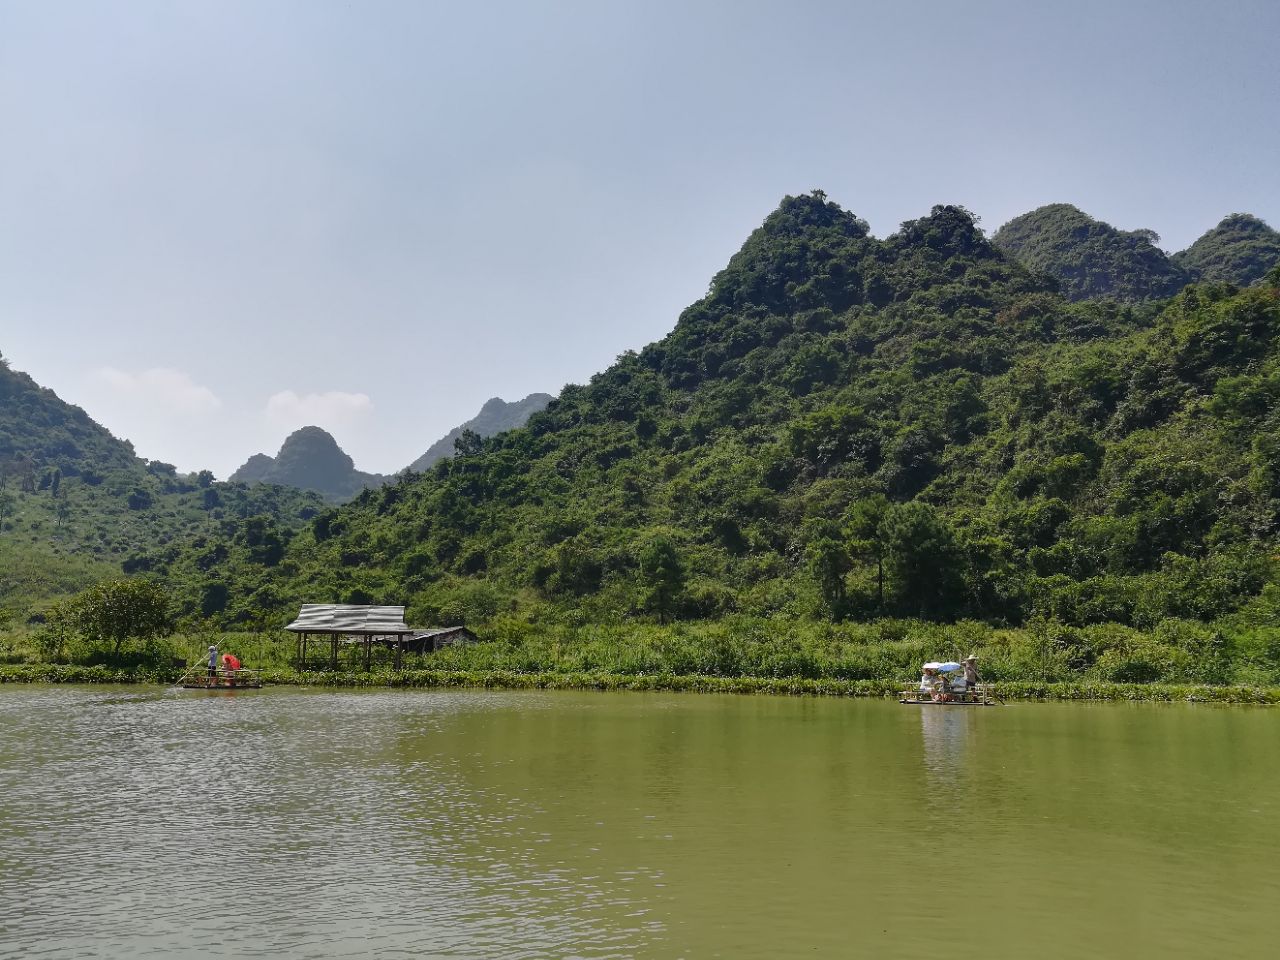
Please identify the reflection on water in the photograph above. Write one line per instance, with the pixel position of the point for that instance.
(479, 824)
(945, 731)
(945, 734)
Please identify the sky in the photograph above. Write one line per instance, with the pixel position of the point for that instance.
(221, 221)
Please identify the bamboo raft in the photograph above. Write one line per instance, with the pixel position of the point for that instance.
(977, 697)
(199, 678)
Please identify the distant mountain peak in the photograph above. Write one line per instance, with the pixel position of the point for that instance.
(313, 443)
(1239, 250)
(948, 228)
(309, 459)
(495, 416)
(254, 469)
(1090, 258)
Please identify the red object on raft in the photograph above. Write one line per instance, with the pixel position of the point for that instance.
(230, 661)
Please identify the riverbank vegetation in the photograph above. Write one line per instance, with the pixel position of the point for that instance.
(733, 654)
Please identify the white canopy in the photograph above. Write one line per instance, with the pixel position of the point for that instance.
(947, 667)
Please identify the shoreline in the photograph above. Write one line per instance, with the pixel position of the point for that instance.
(1013, 690)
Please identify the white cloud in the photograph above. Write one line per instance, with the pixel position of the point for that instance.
(332, 410)
(161, 389)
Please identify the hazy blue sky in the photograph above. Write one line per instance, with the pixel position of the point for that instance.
(220, 221)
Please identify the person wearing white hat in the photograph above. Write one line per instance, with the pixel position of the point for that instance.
(971, 670)
(213, 660)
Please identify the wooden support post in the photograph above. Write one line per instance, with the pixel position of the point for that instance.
(305, 638)
(399, 649)
(366, 652)
(333, 656)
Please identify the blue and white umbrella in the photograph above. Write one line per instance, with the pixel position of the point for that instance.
(948, 667)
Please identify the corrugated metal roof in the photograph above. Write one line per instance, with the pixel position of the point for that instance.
(348, 618)
(437, 631)
(428, 633)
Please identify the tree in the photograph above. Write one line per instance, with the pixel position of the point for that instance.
(118, 610)
(468, 443)
(55, 483)
(663, 574)
(922, 559)
(828, 562)
(864, 525)
(213, 598)
(573, 569)
(62, 511)
(6, 506)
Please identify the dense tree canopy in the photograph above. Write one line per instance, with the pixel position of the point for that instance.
(1090, 258)
(1239, 250)
(843, 427)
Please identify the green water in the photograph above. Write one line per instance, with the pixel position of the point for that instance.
(499, 825)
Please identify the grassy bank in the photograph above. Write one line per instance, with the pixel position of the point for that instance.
(1176, 660)
(682, 683)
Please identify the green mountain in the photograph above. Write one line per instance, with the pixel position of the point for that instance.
(851, 427)
(309, 459)
(496, 416)
(254, 470)
(843, 427)
(77, 504)
(1090, 258)
(1239, 250)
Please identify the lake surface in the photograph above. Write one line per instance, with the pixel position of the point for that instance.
(136, 822)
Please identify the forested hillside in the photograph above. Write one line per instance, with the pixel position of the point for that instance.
(846, 427)
(77, 504)
(1239, 250)
(1090, 258)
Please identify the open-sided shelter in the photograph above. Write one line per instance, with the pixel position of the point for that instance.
(437, 638)
(349, 623)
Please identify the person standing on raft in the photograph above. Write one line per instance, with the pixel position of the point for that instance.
(213, 661)
(971, 671)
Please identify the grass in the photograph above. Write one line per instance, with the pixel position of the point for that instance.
(1177, 661)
